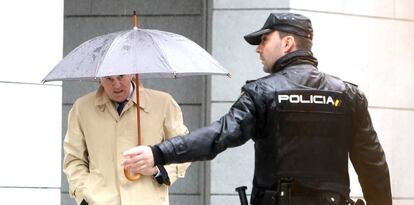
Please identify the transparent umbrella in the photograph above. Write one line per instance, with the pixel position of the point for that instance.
(149, 53)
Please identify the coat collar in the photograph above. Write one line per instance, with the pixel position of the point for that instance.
(102, 99)
(294, 58)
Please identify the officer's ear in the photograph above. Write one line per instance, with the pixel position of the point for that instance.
(288, 44)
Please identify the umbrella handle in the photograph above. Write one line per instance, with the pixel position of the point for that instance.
(130, 176)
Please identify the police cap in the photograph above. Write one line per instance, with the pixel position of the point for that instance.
(286, 22)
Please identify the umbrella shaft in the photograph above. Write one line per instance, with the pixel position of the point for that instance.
(138, 109)
(127, 173)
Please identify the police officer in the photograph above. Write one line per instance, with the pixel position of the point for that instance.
(304, 124)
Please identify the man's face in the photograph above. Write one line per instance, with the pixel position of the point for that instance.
(117, 87)
(270, 50)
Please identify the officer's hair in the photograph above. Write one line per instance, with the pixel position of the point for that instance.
(302, 43)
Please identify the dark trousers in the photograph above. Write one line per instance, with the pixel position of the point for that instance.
(304, 200)
(300, 197)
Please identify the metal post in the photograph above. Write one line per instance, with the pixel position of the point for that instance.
(242, 194)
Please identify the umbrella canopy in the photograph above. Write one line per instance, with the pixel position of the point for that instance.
(149, 53)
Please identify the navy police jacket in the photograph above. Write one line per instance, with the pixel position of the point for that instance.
(304, 124)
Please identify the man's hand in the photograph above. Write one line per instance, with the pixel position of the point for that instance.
(152, 171)
(139, 160)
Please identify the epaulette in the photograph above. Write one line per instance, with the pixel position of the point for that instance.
(351, 83)
(249, 81)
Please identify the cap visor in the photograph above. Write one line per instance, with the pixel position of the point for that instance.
(256, 37)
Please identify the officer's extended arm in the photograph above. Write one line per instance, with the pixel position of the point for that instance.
(233, 129)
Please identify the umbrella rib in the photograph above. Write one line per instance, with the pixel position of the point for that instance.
(162, 52)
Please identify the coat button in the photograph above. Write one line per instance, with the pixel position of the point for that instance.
(332, 199)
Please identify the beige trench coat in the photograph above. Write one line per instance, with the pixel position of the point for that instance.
(97, 136)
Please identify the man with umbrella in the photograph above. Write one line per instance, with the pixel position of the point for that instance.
(101, 125)
(304, 123)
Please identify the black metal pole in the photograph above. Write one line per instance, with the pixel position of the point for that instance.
(242, 194)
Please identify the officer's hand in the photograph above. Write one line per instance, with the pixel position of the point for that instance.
(139, 160)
